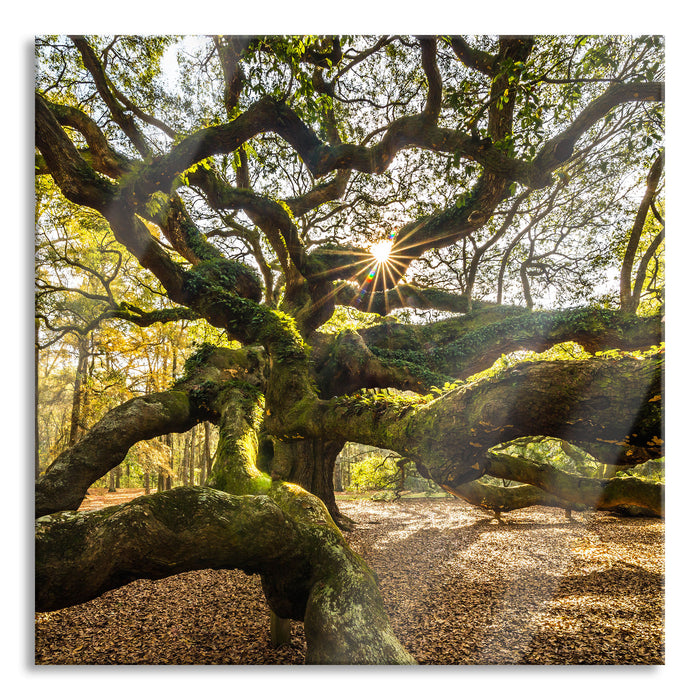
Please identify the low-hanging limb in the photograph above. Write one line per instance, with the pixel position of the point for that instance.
(602, 494)
(309, 573)
(501, 499)
(194, 399)
(66, 481)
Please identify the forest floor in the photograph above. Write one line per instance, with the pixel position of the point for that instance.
(459, 588)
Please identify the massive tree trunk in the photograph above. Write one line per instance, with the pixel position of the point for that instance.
(309, 573)
(268, 525)
(310, 463)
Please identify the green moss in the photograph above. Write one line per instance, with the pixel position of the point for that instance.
(221, 274)
(235, 464)
(198, 358)
(425, 367)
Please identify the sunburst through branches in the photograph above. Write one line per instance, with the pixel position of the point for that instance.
(374, 273)
(382, 251)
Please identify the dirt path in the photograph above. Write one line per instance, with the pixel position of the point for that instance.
(459, 587)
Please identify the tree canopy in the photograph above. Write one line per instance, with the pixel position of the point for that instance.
(450, 247)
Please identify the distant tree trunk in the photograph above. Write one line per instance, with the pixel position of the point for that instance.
(202, 462)
(147, 481)
(78, 390)
(206, 459)
(37, 468)
(526, 286)
(160, 485)
(185, 461)
(338, 476)
(193, 442)
(112, 486)
(168, 480)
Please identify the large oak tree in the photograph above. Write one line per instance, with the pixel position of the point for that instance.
(453, 199)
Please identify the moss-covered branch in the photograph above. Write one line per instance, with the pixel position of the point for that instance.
(612, 406)
(66, 481)
(603, 494)
(308, 570)
(501, 499)
(466, 345)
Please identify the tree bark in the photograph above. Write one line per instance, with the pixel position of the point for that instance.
(500, 499)
(78, 389)
(628, 302)
(609, 407)
(235, 469)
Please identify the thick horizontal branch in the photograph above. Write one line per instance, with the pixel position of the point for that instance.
(594, 329)
(465, 345)
(611, 406)
(268, 115)
(501, 499)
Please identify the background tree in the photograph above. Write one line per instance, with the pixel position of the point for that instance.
(479, 187)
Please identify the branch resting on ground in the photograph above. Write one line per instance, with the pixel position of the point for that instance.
(309, 573)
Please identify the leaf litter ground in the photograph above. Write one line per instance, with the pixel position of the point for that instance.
(459, 588)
